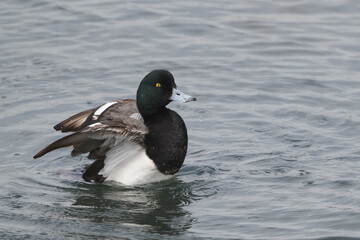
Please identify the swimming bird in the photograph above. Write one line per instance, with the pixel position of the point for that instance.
(132, 142)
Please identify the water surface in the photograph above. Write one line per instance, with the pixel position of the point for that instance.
(274, 136)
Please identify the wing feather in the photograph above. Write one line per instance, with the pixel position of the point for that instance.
(67, 141)
(112, 124)
(75, 122)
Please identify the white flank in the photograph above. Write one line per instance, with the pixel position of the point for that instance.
(101, 109)
(128, 164)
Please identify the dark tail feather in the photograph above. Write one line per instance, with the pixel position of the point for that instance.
(67, 141)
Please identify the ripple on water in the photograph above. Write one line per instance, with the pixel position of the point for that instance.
(273, 138)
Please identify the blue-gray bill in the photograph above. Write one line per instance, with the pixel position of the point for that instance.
(179, 96)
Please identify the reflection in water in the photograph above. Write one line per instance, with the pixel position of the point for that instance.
(158, 207)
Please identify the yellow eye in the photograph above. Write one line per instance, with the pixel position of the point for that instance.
(158, 85)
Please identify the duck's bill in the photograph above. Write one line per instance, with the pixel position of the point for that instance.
(179, 96)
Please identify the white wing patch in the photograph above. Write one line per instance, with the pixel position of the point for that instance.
(101, 109)
(94, 124)
(128, 164)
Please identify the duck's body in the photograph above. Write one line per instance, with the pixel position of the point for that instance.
(132, 142)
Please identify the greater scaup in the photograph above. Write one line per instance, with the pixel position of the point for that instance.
(132, 142)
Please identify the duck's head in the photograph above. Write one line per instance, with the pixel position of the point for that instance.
(157, 90)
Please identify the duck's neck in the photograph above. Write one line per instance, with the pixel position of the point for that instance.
(166, 142)
(152, 115)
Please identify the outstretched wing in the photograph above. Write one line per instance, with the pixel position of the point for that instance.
(76, 122)
(99, 129)
(117, 113)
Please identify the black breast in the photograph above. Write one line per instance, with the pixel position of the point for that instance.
(166, 142)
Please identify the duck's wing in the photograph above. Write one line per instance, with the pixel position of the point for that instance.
(98, 129)
(120, 120)
(119, 112)
(76, 122)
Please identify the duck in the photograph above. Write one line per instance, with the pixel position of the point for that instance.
(131, 142)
